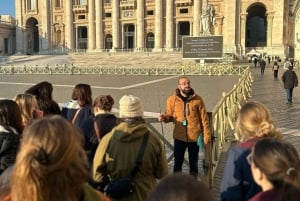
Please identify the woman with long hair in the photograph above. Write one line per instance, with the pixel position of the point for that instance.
(29, 108)
(11, 129)
(52, 164)
(80, 107)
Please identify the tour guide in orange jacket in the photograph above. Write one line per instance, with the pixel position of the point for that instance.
(188, 113)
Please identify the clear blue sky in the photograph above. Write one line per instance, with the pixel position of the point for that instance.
(7, 7)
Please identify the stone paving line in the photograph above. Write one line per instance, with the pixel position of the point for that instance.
(287, 117)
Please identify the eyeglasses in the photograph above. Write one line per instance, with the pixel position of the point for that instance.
(249, 158)
(185, 84)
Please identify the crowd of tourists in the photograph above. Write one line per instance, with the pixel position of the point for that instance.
(83, 152)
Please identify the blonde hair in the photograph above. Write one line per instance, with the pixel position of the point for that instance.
(255, 121)
(51, 164)
(27, 103)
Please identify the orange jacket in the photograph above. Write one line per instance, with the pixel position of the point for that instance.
(195, 114)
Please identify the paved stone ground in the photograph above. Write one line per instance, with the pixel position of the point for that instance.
(265, 89)
(271, 93)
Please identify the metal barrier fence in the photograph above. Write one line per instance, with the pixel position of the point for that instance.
(181, 69)
(221, 118)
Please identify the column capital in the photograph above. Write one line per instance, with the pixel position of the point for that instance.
(270, 14)
(243, 16)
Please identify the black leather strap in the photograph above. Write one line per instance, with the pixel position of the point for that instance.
(138, 160)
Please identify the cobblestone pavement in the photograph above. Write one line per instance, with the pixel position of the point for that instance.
(271, 93)
(265, 89)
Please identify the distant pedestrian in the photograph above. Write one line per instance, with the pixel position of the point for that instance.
(254, 123)
(275, 166)
(262, 65)
(290, 81)
(254, 59)
(287, 64)
(275, 70)
(269, 59)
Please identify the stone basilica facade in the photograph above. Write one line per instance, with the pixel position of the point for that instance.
(266, 26)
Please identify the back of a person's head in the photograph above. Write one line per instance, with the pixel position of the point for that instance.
(51, 164)
(180, 187)
(27, 103)
(83, 94)
(10, 115)
(280, 162)
(130, 106)
(42, 90)
(104, 102)
(255, 121)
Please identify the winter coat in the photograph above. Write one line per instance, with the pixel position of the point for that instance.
(237, 182)
(90, 194)
(105, 123)
(196, 116)
(116, 155)
(9, 145)
(69, 109)
(270, 195)
(289, 79)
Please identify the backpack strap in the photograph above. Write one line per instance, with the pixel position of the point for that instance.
(138, 160)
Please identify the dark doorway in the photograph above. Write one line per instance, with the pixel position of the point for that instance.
(33, 38)
(150, 40)
(129, 36)
(82, 38)
(256, 26)
(108, 41)
(184, 30)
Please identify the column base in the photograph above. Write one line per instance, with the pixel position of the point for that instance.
(157, 50)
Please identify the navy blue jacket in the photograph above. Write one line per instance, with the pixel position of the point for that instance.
(237, 182)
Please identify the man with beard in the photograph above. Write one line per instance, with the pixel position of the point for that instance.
(188, 113)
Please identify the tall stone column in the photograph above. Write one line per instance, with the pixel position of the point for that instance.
(158, 25)
(69, 32)
(45, 26)
(91, 30)
(115, 23)
(270, 17)
(196, 20)
(99, 24)
(170, 24)
(19, 28)
(140, 24)
(243, 32)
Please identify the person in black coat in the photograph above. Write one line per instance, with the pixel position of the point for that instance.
(11, 128)
(97, 126)
(290, 81)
